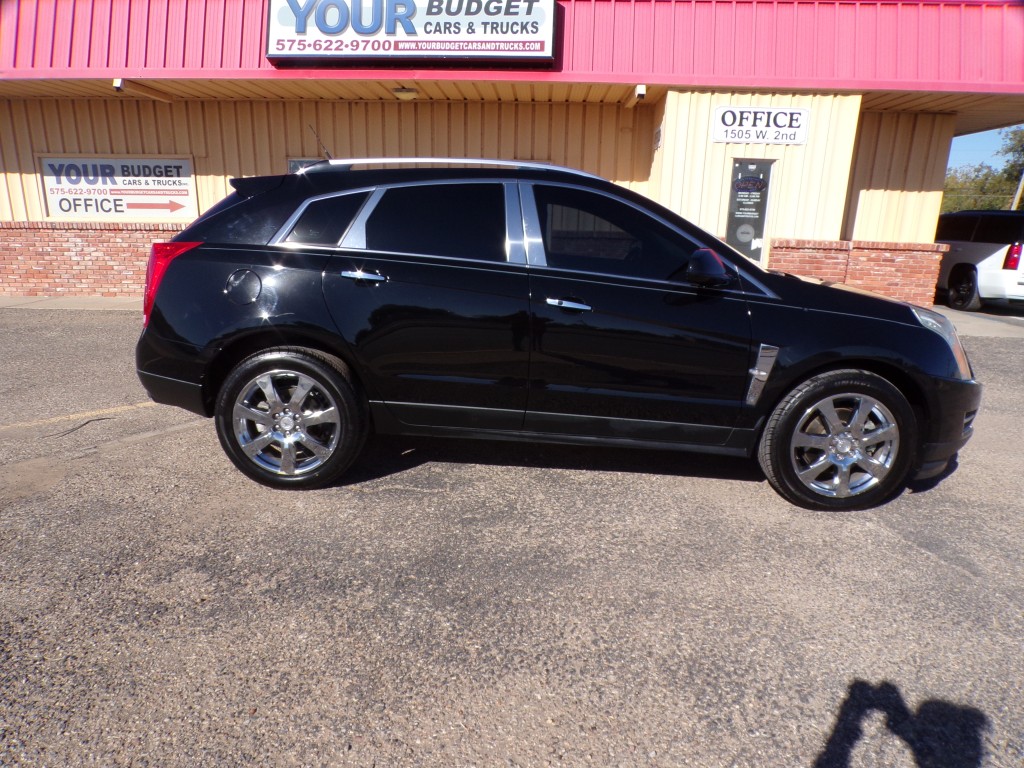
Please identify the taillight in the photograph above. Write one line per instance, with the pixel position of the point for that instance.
(160, 257)
(1012, 260)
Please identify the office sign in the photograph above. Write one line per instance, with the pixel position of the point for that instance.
(411, 29)
(123, 188)
(760, 125)
(748, 206)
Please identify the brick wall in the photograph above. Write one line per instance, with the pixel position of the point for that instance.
(905, 271)
(44, 258)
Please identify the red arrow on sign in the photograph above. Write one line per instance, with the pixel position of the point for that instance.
(170, 206)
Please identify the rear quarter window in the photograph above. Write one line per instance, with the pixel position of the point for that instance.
(325, 221)
(253, 221)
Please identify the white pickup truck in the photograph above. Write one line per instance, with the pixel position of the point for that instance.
(984, 259)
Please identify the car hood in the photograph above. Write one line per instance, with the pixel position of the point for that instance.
(816, 294)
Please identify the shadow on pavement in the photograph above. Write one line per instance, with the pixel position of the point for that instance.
(928, 483)
(939, 734)
(388, 455)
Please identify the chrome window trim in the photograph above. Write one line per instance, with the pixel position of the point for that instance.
(535, 255)
(356, 236)
(515, 240)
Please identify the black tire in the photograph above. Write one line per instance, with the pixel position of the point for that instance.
(291, 418)
(963, 288)
(842, 440)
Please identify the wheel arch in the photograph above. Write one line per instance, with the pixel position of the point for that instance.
(899, 377)
(246, 345)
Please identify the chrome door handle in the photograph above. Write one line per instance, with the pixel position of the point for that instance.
(367, 277)
(571, 305)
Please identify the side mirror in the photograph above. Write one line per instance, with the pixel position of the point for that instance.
(707, 269)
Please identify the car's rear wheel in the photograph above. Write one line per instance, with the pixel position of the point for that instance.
(291, 418)
(841, 440)
(963, 288)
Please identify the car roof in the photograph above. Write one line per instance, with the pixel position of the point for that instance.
(339, 175)
(985, 212)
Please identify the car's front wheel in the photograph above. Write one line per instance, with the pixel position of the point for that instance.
(841, 440)
(291, 418)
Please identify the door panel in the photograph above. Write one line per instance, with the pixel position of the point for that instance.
(436, 315)
(437, 333)
(622, 346)
(672, 356)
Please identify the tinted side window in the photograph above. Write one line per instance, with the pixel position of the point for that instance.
(588, 232)
(999, 229)
(324, 222)
(955, 227)
(253, 221)
(462, 220)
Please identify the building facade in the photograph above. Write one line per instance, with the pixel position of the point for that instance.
(811, 135)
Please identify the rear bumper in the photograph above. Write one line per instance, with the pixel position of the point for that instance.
(171, 373)
(167, 391)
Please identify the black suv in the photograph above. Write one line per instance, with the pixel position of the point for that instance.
(523, 301)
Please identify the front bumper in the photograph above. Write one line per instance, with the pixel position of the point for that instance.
(955, 405)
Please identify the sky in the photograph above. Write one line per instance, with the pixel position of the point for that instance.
(977, 148)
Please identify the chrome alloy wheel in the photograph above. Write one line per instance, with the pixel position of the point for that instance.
(844, 445)
(286, 422)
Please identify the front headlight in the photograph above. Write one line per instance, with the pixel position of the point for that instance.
(942, 325)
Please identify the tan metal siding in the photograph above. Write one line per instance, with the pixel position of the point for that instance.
(896, 188)
(808, 187)
(245, 138)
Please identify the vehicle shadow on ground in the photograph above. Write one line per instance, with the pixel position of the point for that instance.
(938, 734)
(386, 456)
(927, 484)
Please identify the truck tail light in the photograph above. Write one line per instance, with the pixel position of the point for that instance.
(160, 257)
(1012, 260)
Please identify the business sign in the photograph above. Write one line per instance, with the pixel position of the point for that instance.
(412, 29)
(136, 188)
(760, 125)
(748, 206)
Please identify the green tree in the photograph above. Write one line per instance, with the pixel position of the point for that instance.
(983, 187)
(1013, 151)
(977, 187)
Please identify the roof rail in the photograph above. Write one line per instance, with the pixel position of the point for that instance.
(347, 163)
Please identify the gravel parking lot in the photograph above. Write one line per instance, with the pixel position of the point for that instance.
(468, 604)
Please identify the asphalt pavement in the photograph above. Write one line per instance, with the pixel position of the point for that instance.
(479, 604)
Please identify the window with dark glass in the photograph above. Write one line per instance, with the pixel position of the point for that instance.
(588, 232)
(243, 220)
(324, 222)
(956, 227)
(1000, 228)
(462, 220)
